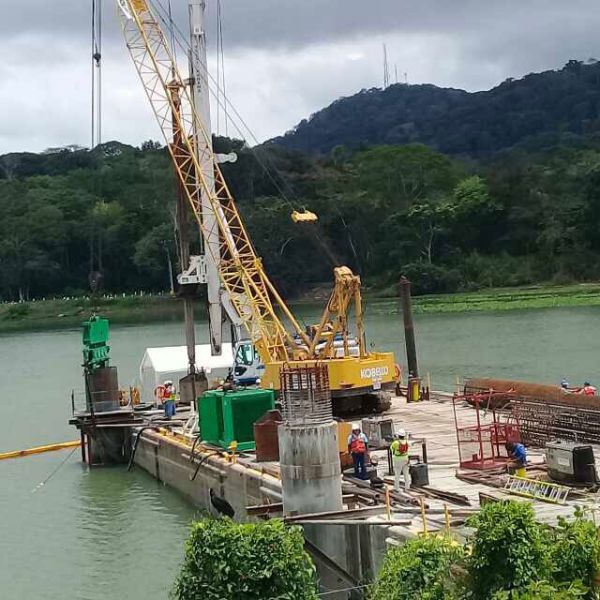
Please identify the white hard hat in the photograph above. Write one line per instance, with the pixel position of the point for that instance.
(402, 433)
(168, 382)
(355, 426)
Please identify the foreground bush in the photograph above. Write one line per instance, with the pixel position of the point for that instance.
(509, 549)
(576, 552)
(510, 556)
(258, 561)
(421, 568)
(543, 590)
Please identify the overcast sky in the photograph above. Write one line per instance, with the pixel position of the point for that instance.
(284, 59)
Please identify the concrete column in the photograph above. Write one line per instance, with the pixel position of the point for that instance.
(310, 468)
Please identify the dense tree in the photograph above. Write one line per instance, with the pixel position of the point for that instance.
(523, 217)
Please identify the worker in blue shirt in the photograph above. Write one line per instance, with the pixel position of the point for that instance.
(518, 455)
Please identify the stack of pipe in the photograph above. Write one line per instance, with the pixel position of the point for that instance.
(542, 393)
(544, 412)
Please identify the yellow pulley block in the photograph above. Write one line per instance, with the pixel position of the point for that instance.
(304, 217)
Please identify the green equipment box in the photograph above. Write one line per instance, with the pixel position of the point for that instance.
(95, 343)
(226, 416)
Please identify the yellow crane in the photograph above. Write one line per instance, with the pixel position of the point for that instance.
(359, 379)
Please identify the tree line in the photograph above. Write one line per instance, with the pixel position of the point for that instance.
(447, 224)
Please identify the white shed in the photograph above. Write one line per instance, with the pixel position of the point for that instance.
(171, 362)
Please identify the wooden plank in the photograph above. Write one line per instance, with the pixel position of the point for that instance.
(264, 509)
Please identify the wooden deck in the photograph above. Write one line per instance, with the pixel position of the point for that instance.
(434, 420)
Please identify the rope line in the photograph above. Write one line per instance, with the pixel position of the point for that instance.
(55, 471)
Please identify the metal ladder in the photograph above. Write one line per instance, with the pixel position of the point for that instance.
(540, 490)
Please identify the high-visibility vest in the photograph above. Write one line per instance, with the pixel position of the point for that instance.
(589, 390)
(399, 448)
(358, 446)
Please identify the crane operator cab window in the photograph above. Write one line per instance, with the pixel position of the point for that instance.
(245, 354)
(248, 367)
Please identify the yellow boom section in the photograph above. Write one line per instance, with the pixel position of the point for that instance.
(241, 271)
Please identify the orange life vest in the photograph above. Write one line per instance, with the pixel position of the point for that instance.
(589, 390)
(358, 446)
(160, 392)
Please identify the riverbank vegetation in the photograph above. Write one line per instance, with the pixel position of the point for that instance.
(69, 312)
(65, 313)
(531, 297)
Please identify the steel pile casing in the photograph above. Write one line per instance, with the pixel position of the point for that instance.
(311, 475)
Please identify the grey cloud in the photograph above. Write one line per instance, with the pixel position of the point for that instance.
(292, 24)
(285, 58)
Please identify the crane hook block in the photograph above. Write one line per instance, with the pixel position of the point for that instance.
(304, 217)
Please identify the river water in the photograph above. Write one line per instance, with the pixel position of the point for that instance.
(111, 534)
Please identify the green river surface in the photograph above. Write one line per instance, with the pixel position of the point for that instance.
(107, 533)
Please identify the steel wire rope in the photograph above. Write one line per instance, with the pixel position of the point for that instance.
(219, 56)
(184, 44)
(99, 63)
(93, 78)
(181, 40)
(211, 83)
(171, 31)
(55, 470)
(221, 53)
(96, 126)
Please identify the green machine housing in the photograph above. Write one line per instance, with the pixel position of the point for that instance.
(226, 416)
(95, 343)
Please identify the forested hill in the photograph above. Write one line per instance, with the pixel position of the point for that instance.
(387, 205)
(536, 111)
(385, 211)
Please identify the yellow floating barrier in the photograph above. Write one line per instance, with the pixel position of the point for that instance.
(40, 450)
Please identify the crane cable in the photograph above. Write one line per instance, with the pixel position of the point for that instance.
(167, 21)
(96, 73)
(171, 31)
(241, 124)
(211, 83)
(215, 89)
(221, 67)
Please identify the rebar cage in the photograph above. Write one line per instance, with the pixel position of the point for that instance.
(305, 394)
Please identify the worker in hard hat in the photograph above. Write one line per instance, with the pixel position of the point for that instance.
(169, 398)
(517, 453)
(399, 449)
(358, 446)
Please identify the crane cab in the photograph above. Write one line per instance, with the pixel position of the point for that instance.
(248, 368)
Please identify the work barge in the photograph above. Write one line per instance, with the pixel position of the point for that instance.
(348, 523)
(293, 464)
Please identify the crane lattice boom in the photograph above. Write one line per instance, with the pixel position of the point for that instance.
(241, 270)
